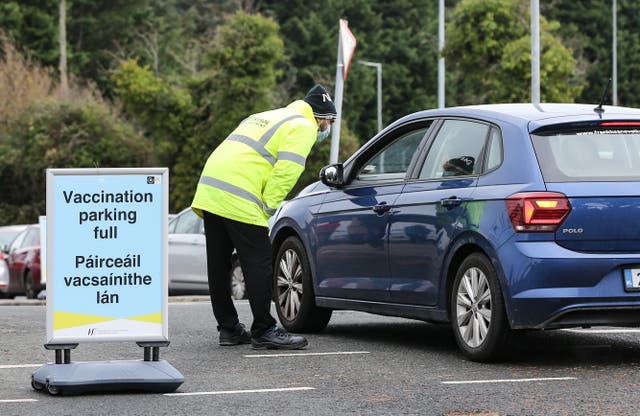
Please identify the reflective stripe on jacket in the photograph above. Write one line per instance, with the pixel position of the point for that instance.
(251, 172)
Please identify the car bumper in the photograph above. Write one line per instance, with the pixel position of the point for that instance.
(548, 286)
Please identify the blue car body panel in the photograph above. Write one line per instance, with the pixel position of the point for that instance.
(393, 248)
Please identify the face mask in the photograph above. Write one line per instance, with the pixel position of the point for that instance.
(323, 134)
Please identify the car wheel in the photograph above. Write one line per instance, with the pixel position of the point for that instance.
(478, 315)
(37, 386)
(238, 288)
(53, 390)
(29, 286)
(293, 289)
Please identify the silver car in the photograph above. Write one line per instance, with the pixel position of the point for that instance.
(188, 258)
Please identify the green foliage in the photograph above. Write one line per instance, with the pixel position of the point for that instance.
(187, 72)
(54, 134)
(400, 34)
(165, 112)
(245, 58)
(34, 25)
(489, 47)
(21, 81)
(587, 25)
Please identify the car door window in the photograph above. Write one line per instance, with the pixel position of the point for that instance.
(172, 226)
(494, 153)
(188, 223)
(456, 150)
(17, 243)
(32, 238)
(392, 162)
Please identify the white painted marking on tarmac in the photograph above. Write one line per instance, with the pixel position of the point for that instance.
(305, 354)
(211, 393)
(511, 380)
(19, 366)
(604, 331)
(18, 400)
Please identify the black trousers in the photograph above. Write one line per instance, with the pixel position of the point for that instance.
(254, 251)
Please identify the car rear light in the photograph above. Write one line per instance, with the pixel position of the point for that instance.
(537, 212)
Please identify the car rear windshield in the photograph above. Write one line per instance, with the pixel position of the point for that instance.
(592, 154)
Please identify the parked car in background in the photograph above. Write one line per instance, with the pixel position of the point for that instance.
(23, 263)
(492, 218)
(8, 233)
(188, 258)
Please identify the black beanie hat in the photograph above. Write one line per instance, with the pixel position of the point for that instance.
(321, 104)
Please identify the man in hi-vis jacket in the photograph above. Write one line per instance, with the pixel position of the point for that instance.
(244, 180)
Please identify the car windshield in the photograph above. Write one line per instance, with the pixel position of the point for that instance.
(596, 155)
(6, 237)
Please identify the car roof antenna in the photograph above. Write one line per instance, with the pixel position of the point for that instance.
(599, 108)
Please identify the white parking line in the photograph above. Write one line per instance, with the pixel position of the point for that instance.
(20, 366)
(511, 380)
(211, 393)
(18, 401)
(604, 331)
(305, 354)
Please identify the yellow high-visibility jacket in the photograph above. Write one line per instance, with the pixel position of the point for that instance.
(251, 172)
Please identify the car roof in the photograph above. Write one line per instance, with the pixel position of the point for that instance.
(531, 115)
(13, 228)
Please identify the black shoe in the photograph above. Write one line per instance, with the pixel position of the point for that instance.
(276, 338)
(238, 336)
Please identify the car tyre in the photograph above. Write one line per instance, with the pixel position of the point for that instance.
(29, 286)
(293, 289)
(478, 315)
(52, 390)
(238, 287)
(37, 386)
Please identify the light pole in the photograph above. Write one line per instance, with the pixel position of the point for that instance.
(535, 52)
(378, 67)
(614, 58)
(441, 58)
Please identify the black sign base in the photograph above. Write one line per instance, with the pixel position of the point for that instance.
(106, 377)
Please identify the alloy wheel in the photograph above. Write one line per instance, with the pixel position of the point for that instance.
(289, 284)
(473, 307)
(238, 287)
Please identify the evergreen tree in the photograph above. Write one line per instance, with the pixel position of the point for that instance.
(245, 59)
(587, 25)
(400, 34)
(489, 48)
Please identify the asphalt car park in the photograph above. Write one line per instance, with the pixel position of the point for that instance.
(360, 364)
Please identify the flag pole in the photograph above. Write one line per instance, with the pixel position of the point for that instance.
(337, 100)
(346, 46)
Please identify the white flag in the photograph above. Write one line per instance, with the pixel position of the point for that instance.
(348, 45)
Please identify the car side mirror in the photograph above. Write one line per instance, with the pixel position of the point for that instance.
(332, 175)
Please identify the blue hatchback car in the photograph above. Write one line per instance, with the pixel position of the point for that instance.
(493, 218)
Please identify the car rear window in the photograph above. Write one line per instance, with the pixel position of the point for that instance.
(595, 154)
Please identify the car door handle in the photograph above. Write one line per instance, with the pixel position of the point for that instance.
(381, 208)
(451, 202)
